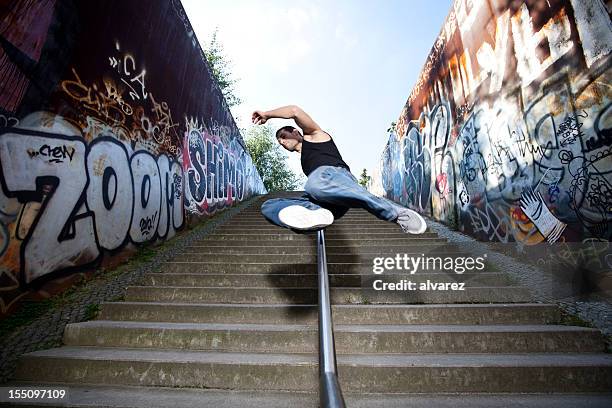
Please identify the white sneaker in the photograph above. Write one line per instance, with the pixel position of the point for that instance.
(302, 218)
(411, 221)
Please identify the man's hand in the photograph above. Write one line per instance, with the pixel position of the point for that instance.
(259, 117)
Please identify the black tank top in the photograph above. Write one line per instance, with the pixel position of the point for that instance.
(320, 154)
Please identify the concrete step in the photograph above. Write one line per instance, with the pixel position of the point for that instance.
(248, 279)
(271, 268)
(285, 234)
(300, 295)
(343, 230)
(331, 244)
(353, 257)
(238, 221)
(353, 212)
(224, 248)
(349, 339)
(344, 221)
(482, 314)
(342, 224)
(256, 210)
(363, 373)
(336, 244)
(258, 216)
(335, 229)
(310, 280)
(98, 396)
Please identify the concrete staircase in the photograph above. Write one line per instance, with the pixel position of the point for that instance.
(232, 322)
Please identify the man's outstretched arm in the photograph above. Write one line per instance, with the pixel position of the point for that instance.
(302, 119)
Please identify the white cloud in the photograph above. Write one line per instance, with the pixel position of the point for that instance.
(256, 36)
(298, 18)
(347, 39)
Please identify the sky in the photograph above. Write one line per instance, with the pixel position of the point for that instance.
(349, 64)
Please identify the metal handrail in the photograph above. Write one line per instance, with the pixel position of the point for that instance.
(329, 388)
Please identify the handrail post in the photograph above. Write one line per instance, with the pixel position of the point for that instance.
(329, 387)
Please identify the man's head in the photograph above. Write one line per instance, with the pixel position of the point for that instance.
(289, 137)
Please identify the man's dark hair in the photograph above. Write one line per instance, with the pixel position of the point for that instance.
(287, 128)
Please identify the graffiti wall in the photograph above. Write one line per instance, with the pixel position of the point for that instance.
(506, 134)
(113, 134)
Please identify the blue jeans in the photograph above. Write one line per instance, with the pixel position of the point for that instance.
(335, 189)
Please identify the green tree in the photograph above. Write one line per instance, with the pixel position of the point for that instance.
(270, 160)
(364, 179)
(220, 66)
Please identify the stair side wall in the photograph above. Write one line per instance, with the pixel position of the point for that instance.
(506, 133)
(113, 135)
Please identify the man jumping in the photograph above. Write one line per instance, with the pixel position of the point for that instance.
(331, 188)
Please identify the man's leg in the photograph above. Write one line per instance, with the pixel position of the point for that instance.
(296, 213)
(336, 185)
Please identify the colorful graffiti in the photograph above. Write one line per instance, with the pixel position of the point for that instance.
(215, 174)
(506, 134)
(105, 144)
